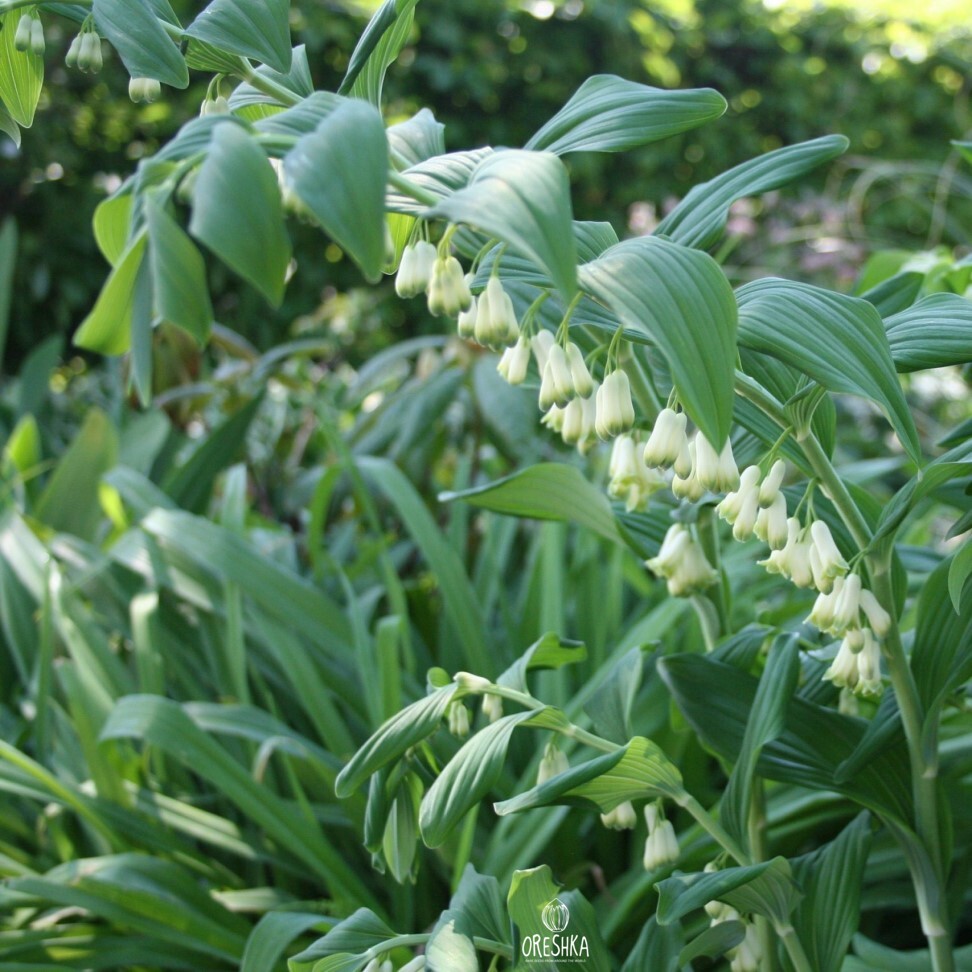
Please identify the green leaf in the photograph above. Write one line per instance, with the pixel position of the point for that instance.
(112, 219)
(339, 172)
(361, 931)
(716, 699)
(831, 879)
(545, 491)
(700, 218)
(773, 893)
(549, 652)
(636, 771)
(934, 332)
(523, 199)
(108, 327)
(21, 75)
(766, 723)
(69, 502)
(609, 114)
(417, 138)
(450, 949)
(836, 340)
(296, 79)
(303, 118)
(237, 212)
(403, 730)
(683, 893)
(610, 705)
(442, 176)
(467, 778)
(713, 942)
(530, 893)
(271, 937)
(959, 573)
(8, 126)
(942, 655)
(479, 900)
(252, 28)
(681, 300)
(8, 260)
(145, 48)
(658, 948)
(178, 275)
(401, 834)
(376, 50)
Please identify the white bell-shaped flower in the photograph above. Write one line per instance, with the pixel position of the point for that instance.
(877, 617)
(831, 559)
(843, 671)
(492, 707)
(770, 487)
(515, 361)
(748, 954)
(770, 524)
(580, 376)
(693, 573)
(869, 665)
(458, 719)
(622, 817)
(669, 554)
(668, 441)
(825, 606)
(541, 343)
(615, 410)
(554, 418)
(847, 607)
(741, 507)
(448, 291)
(553, 763)
(556, 386)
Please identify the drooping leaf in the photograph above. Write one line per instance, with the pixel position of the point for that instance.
(107, 328)
(296, 79)
(271, 936)
(609, 114)
(523, 199)
(377, 48)
(21, 75)
(441, 175)
(716, 940)
(112, 220)
(237, 212)
(178, 275)
(636, 771)
(303, 118)
(8, 126)
(545, 491)
(355, 934)
(837, 340)
(253, 28)
(145, 48)
(681, 894)
(659, 948)
(934, 332)
(548, 653)
(700, 218)
(680, 299)
(959, 573)
(610, 705)
(339, 171)
(418, 138)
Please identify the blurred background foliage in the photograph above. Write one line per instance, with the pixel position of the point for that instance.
(495, 70)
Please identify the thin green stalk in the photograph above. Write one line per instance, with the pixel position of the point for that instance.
(408, 188)
(268, 86)
(715, 830)
(756, 832)
(794, 948)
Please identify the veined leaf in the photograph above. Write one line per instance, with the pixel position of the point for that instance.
(357, 933)
(545, 491)
(609, 114)
(679, 895)
(467, 778)
(145, 48)
(681, 300)
(700, 218)
(659, 948)
(108, 328)
(21, 75)
(112, 219)
(377, 48)
(636, 771)
(272, 934)
(237, 212)
(837, 340)
(959, 573)
(523, 199)
(296, 79)
(402, 731)
(442, 176)
(178, 275)
(253, 28)
(934, 332)
(449, 948)
(339, 172)
(548, 653)
(831, 878)
(302, 118)
(418, 138)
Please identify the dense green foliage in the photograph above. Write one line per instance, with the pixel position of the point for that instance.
(244, 557)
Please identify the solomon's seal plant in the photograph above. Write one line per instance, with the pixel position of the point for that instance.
(642, 344)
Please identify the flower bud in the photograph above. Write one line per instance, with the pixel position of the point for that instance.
(448, 291)
(37, 43)
(869, 666)
(745, 498)
(615, 410)
(580, 377)
(622, 817)
(554, 419)
(466, 324)
(728, 473)
(770, 487)
(496, 324)
(748, 954)
(417, 964)
(556, 386)
(22, 34)
(514, 362)
(771, 523)
(831, 560)
(405, 277)
(843, 669)
(693, 573)
(220, 106)
(667, 440)
(74, 49)
(589, 418)
(669, 554)
(822, 614)
(706, 462)
(877, 617)
(492, 707)
(458, 718)
(541, 343)
(847, 607)
(661, 847)
(472, 683)
(553, 763)
(573, 427)
(144, 90)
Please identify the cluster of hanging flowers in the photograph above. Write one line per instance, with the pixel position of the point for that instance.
(748, 954)
(584, 411)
